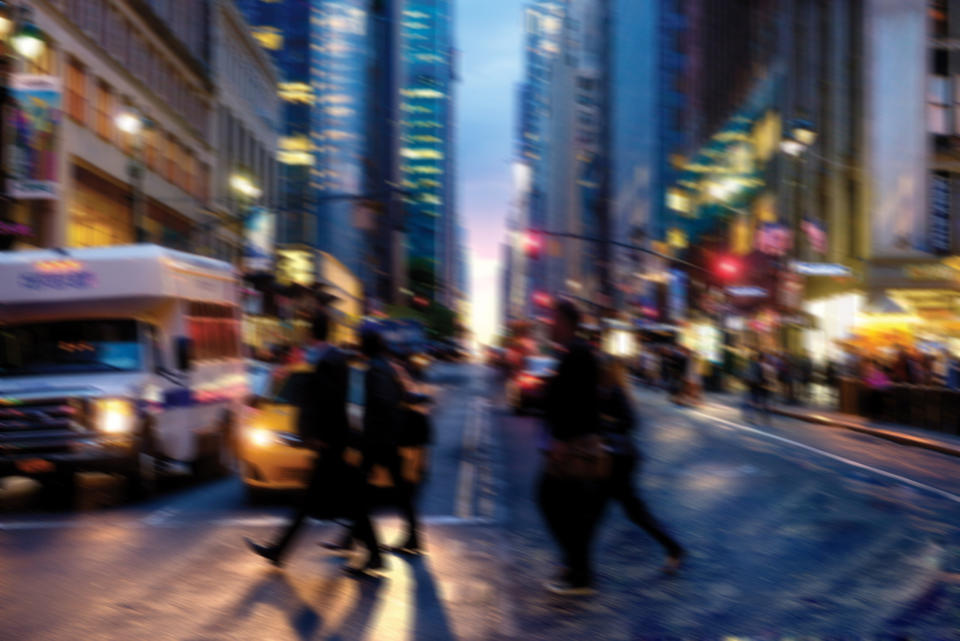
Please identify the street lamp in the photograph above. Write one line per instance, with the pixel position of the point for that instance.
(802, 135)
(18, 36)
(132, 122)
(244, 185)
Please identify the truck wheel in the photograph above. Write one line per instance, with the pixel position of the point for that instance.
(217, 451)
(143, 475)
(61, 489)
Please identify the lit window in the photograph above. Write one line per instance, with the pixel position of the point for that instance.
(269, 38)
(420, 154)
(301, 158)
(938, 106)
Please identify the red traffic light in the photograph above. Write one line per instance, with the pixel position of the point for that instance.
(542, 299)
(532, 244)
(728, 268)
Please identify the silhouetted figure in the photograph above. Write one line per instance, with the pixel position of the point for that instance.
(323, 425)
(572, 486)
(619, 422)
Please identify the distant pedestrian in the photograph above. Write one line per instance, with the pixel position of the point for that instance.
(323, 425)
(572, 489)
(619, 423)
(759, 379)
(693, 377)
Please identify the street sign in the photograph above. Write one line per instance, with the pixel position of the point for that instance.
(748, 292)
(821, 269)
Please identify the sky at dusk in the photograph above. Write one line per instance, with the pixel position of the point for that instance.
(490, 41)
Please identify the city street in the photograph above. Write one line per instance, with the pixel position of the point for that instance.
(794, 531)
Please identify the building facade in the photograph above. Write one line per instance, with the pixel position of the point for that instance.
(543, 31)
(427, 146)
(246, 128)
(112, 56)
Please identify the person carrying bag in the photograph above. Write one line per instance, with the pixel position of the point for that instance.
(571, 491)
(619, 423)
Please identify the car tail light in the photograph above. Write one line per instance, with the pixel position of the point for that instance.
(528, 381)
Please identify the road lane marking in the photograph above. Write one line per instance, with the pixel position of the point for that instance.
(158, 517)
(468, 472)
(902, 479)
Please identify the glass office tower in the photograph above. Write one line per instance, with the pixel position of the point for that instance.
(426, 140)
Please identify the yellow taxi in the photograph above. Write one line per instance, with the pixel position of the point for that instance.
(272, 455)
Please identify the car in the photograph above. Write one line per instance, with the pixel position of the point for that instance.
(525, 390)
(273, 457)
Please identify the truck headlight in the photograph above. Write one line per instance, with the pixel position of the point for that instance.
(114, 415)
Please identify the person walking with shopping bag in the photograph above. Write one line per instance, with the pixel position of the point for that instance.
(619, 422)
(323, 425)
(576, 468)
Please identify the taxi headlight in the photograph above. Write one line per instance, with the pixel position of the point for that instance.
(113, 415)
(259, 437)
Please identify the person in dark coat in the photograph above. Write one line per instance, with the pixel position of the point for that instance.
(323, 425)
(619, 422)
(384, 433)
(396, 433)
(571, 506)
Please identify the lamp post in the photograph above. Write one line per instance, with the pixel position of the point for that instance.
(19, 38)
(132, 122)
(247, 193)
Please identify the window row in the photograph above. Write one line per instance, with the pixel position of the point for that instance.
(163, 153)
(108, 28)
(214, 338)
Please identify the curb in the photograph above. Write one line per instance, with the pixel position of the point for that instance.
(896, 437)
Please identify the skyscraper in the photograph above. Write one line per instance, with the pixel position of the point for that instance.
(543, 32)
(283, 29)
(427, 146)
(338, 70)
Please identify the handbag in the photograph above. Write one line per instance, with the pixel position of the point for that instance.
(584, 458)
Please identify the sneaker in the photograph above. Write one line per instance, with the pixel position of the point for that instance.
(270, 553)
(673, 562)
(372, 569)
(337, 549)
(410, 547)
(569, 588)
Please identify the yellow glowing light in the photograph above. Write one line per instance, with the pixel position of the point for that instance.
(260, 437)
(114, 415)
(58, 266)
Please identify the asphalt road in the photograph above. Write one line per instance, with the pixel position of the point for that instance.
(794, 530)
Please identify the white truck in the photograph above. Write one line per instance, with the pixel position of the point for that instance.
(121, 359)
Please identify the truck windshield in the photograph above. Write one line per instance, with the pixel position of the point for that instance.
(70, 347)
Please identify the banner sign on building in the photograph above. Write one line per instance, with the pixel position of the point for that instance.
(32, 130)
(677, 295)
(939, 230)
(258, 238)
(296, 266)
(773, 239)
(816, 235)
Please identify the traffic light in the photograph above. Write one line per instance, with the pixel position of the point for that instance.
(541, 299)
(728, 268)
(532, 244)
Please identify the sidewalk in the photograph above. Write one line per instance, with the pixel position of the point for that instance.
(913, 436)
